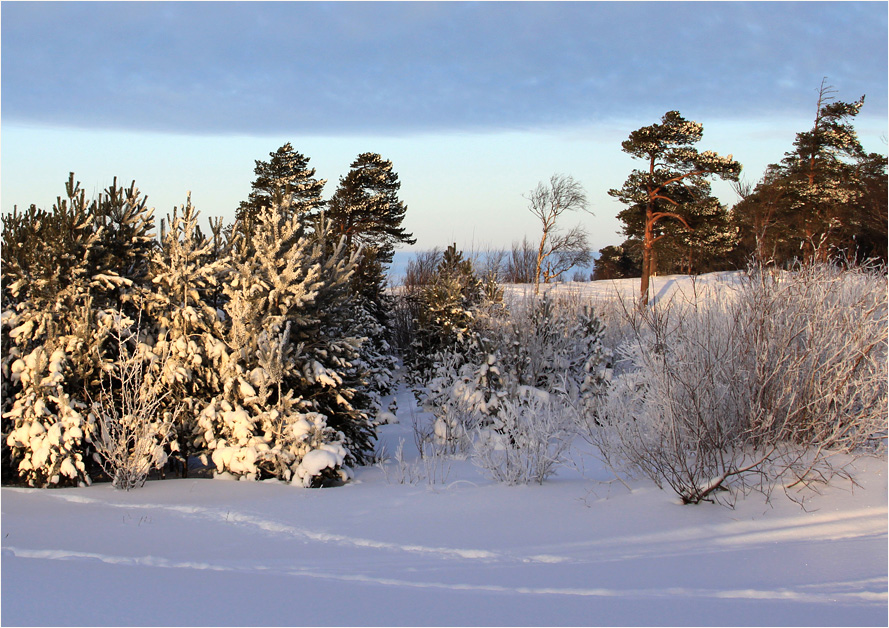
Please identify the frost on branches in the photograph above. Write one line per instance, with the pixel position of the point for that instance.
(284, 372)
(63, 285)
(185, 343)
(246, 352)
(505, 384)
(129, 423)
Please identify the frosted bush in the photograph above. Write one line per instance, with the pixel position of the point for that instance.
(47, 429)
(750, 387)
(528, 440)
(515, 393)
(252, 446)
(130, 425)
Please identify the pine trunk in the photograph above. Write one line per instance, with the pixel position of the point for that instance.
(647, 246)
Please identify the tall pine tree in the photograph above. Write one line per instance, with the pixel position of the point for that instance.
(367, 211)
(285, 169)
(826, 197)
(674, 179)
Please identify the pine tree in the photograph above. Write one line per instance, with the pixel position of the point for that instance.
(757, 217)
(126, 227)
(821, 175)
(869, 221)
(186, 329)
(366, 208)
(675, 177)
(617, 262)
(446, 312)
(367, 212)
(68, 273)
(50, 348)
(290, 404)
(819, 201)
(285, 169)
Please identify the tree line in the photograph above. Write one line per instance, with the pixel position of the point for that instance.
(825, 199)
(263, 348)
(259, 347)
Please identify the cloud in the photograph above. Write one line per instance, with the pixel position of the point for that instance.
(400, 68)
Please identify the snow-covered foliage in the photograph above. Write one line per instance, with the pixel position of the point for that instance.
(246, 340)
(186, 271)
(45, 428)
(748, 388)
(446, 307)
(528, 439)
(286, 367)
(63, 290)
(509, 393)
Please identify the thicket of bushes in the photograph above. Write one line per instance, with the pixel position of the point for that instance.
(252, 350)
(764, 382)
(246, 348)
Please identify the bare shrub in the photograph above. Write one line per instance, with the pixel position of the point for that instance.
(433, 467)
(521, 262)
(750, 387)
(820, 338)
(407, 304)
(130, 426)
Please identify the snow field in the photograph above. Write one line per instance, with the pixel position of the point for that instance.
(579, 550)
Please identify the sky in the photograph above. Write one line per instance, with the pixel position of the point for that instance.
(474, 103)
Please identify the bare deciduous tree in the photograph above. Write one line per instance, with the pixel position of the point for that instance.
(548, 202)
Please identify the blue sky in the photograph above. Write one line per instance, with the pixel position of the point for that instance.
(473, 102)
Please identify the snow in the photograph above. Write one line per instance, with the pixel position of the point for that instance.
(581, 549)
(314, 462)
(434, 541)
(660, 287)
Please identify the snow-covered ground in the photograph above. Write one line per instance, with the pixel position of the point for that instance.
(660, 287)
(393, 548)
(579, 550)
